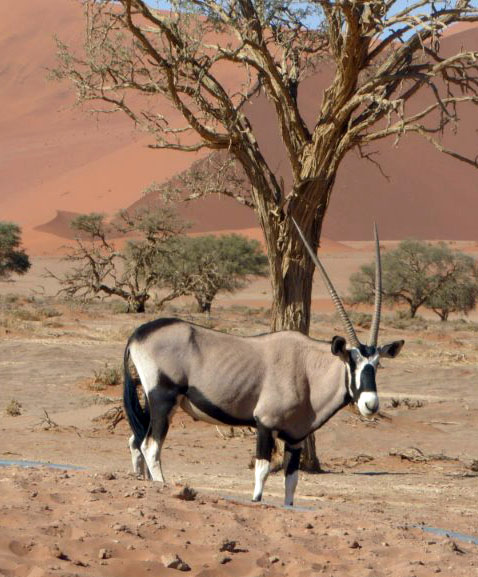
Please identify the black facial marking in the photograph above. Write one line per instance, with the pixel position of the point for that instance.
(367, 379)
(367, 351)
(200, 401)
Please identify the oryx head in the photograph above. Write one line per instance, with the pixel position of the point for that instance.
(361, 360)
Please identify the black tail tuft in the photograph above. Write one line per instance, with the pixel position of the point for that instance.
(138, 418)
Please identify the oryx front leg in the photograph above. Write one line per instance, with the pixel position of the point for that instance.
(291, 471)
(161, 405)
(264, 447)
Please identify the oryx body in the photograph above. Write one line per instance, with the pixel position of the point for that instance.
(284, 384)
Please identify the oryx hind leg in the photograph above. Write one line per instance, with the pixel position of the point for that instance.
(162, 403)
(291, 470)
(137, 459)
(264, 448)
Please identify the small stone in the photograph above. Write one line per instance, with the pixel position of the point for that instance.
(58, 553)
(355, 545)
(98, 490)
(274, 559)
(231, 547)
(120, 528)
(223, 559)
(104, 554)
(455, 548)
(34, 494)
(309, 526)
(109, 476)
(186, 494)
(175, 562)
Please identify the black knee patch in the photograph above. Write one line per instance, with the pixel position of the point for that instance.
(265, 442)
(294, 460)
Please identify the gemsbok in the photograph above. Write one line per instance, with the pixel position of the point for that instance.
(284, 384)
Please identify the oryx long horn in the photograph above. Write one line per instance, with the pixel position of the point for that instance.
(333, 293)
(378, 292)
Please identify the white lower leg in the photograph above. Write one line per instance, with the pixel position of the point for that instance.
(136, 457)
(290, 486)
(151, 451)
(262, 469)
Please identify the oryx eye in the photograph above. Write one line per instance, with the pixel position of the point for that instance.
(356, 356)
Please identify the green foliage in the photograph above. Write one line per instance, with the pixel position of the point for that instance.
(107, 376)
(206, 265)
(459, 291)
(421, 274)
(12, 258)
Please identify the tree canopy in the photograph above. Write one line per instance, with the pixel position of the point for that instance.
(421, 274)
(203, 266)
(13, 259)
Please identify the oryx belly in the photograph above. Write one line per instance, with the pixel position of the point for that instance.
(196, 413)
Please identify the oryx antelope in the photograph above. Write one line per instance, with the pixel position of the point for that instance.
(284, 384)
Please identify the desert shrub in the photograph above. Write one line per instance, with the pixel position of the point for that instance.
(107, 376)
(14, 408)
(362, 320)
(402, 320)
(118, 307)
(49, 312)
(26, 314)
(10, 298)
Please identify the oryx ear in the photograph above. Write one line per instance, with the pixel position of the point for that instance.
(338, 347)
(391, 350)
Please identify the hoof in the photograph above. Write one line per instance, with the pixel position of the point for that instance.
(257, 499)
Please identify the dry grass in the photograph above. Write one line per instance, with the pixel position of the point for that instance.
(13, 409)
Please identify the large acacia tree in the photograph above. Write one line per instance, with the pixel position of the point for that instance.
(168, 71)
(148, 63)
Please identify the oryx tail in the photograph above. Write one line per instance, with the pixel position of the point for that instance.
(138, 417)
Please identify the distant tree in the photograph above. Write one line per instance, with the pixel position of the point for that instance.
(203, 266)
(12, 258)
(103, 269)
(459, 292)
(420, 274)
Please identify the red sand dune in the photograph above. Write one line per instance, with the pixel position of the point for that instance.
(57, 158)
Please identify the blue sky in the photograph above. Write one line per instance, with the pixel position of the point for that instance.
(399, 5)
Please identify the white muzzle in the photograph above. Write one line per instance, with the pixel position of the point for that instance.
(368, 403)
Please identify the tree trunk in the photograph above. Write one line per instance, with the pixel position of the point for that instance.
(310, 461)
(137, 304)
(204, 302)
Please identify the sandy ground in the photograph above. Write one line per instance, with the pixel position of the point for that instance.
(384, 481)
